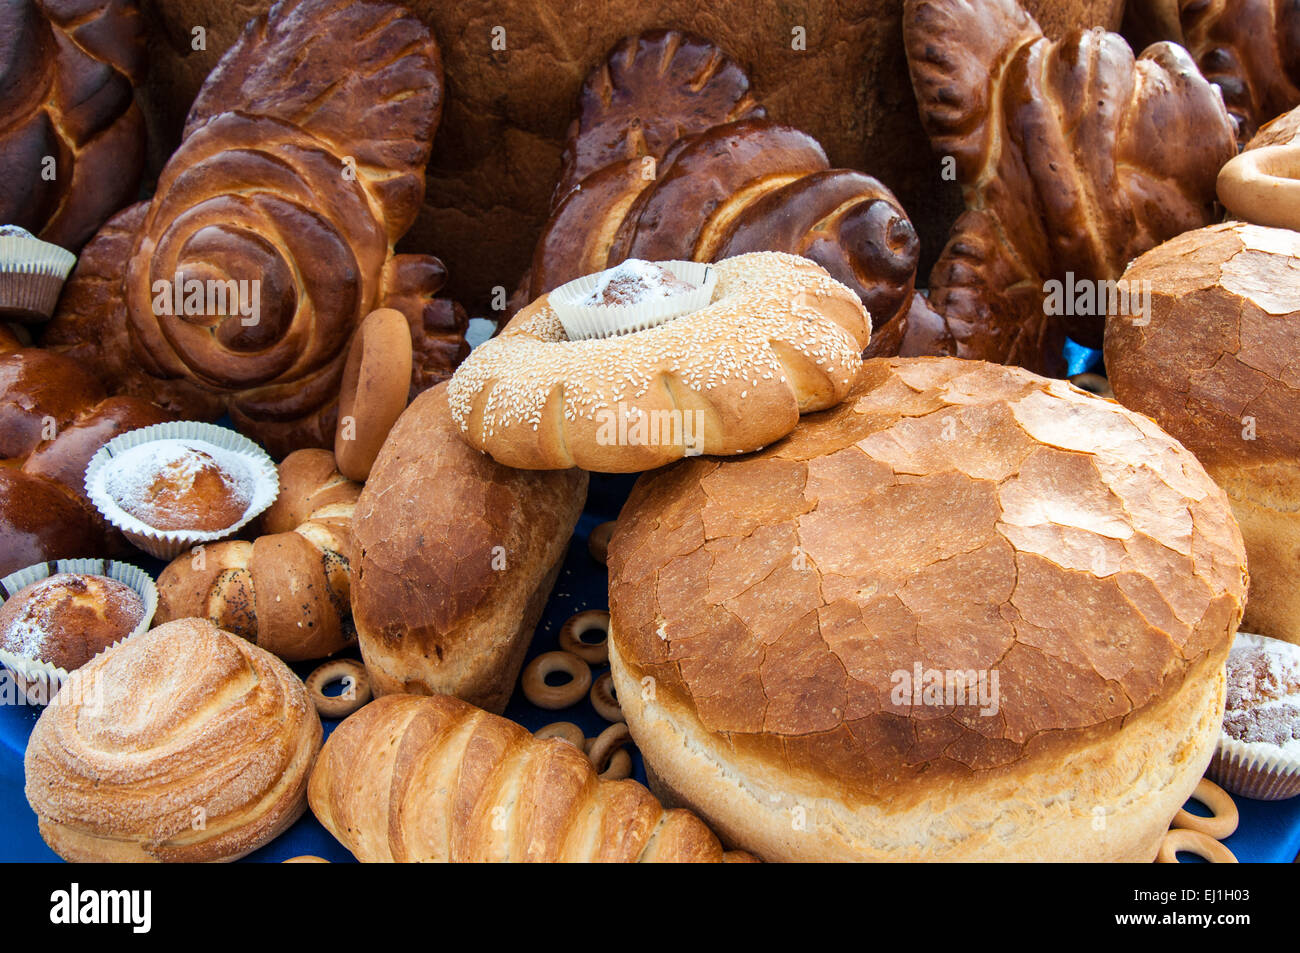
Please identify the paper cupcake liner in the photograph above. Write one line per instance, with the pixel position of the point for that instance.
(32, 273)
(1254, 769)
(231, 448)
(39, 680)
(588, 321)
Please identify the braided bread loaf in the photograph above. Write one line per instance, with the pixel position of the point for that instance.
(54, 416)
(411, 778)
(1075, 157)
(301, 165)
(288, 591)
(670, 158)
(67, 74)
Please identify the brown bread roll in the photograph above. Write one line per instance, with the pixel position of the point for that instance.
(183, 743)
(413, 779)
(972, 614)
(454, 556)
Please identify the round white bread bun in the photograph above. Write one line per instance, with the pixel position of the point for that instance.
(1063, 576)
(1216, 367)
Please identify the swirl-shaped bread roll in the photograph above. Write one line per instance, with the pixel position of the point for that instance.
(184, 743)
(72, 142)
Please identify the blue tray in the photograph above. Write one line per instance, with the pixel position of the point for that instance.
(1270, 831)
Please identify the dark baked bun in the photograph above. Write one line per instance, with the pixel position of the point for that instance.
(1059, 559)
(68, 618)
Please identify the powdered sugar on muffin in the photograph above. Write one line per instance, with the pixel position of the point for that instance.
(635, 282)
(1263, 703)
(180, 484)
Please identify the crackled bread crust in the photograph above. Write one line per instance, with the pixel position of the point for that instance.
(958, 515)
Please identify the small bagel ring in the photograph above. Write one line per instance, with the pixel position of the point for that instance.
(1223, 818)
(355, 692)
(607, 742)
(1262, 185)
(594, 653)
(553, 697)
(1093, 384)
(598, 541)
(305, 859)
(376, 383)
(1193, 842)
(603, 700)
(620, 766)
(565, 731)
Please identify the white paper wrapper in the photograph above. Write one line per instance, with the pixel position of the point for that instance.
(32, 273)
(1254, 769)
(587, 321)
(228, 447)
(40, 680)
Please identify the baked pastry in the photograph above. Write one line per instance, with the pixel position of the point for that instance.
(67, 619)
(374, 391)
(453, 559)
(179, 485)
(1259, 753)
(31, 275)
(54, 416)
(1262, 184)
(781, 338)
(184, 743)
(836, 71)
(435, 779)
(288, 171)
(970, 614)
(667, 160)
(1074, 157)
(1213, 367)
(72, 147)
(634, 282)
(289, 590)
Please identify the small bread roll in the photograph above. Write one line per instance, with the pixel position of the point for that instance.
(184, 743)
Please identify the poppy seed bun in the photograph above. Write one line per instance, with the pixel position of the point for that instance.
(1216, 368)
(959, 516)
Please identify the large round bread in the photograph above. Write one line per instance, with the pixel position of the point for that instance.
(1064, 556)
(184, 743)
(1216, 368)
(453, 559)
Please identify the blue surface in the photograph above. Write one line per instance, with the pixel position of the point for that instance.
(1269, 831)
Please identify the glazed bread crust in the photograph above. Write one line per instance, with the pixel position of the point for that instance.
(184, 743)
(961, 517)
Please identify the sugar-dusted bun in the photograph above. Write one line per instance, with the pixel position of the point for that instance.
(1214, 367)
(184, 743)
(781, 338)
(1057, 554)
(68, 618)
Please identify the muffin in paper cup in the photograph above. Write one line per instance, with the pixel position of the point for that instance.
(38, 679)
(584, 320)
(32, 273)
(1258, 755)
(241, 458)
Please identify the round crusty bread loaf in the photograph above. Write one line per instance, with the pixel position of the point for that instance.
(1062, 555)
(453, 559)
(183, 743)
(1216, 368)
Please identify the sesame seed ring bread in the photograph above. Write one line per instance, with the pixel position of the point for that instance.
(779, 339)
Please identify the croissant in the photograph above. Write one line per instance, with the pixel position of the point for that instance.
(432, 778)
(1074, 158)
(670, 158)
(288, 591)
(272, 230)
(54, 416)
(72, 142)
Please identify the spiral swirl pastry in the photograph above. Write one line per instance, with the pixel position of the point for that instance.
(72, 138)
(184, 743)
(271, 232)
